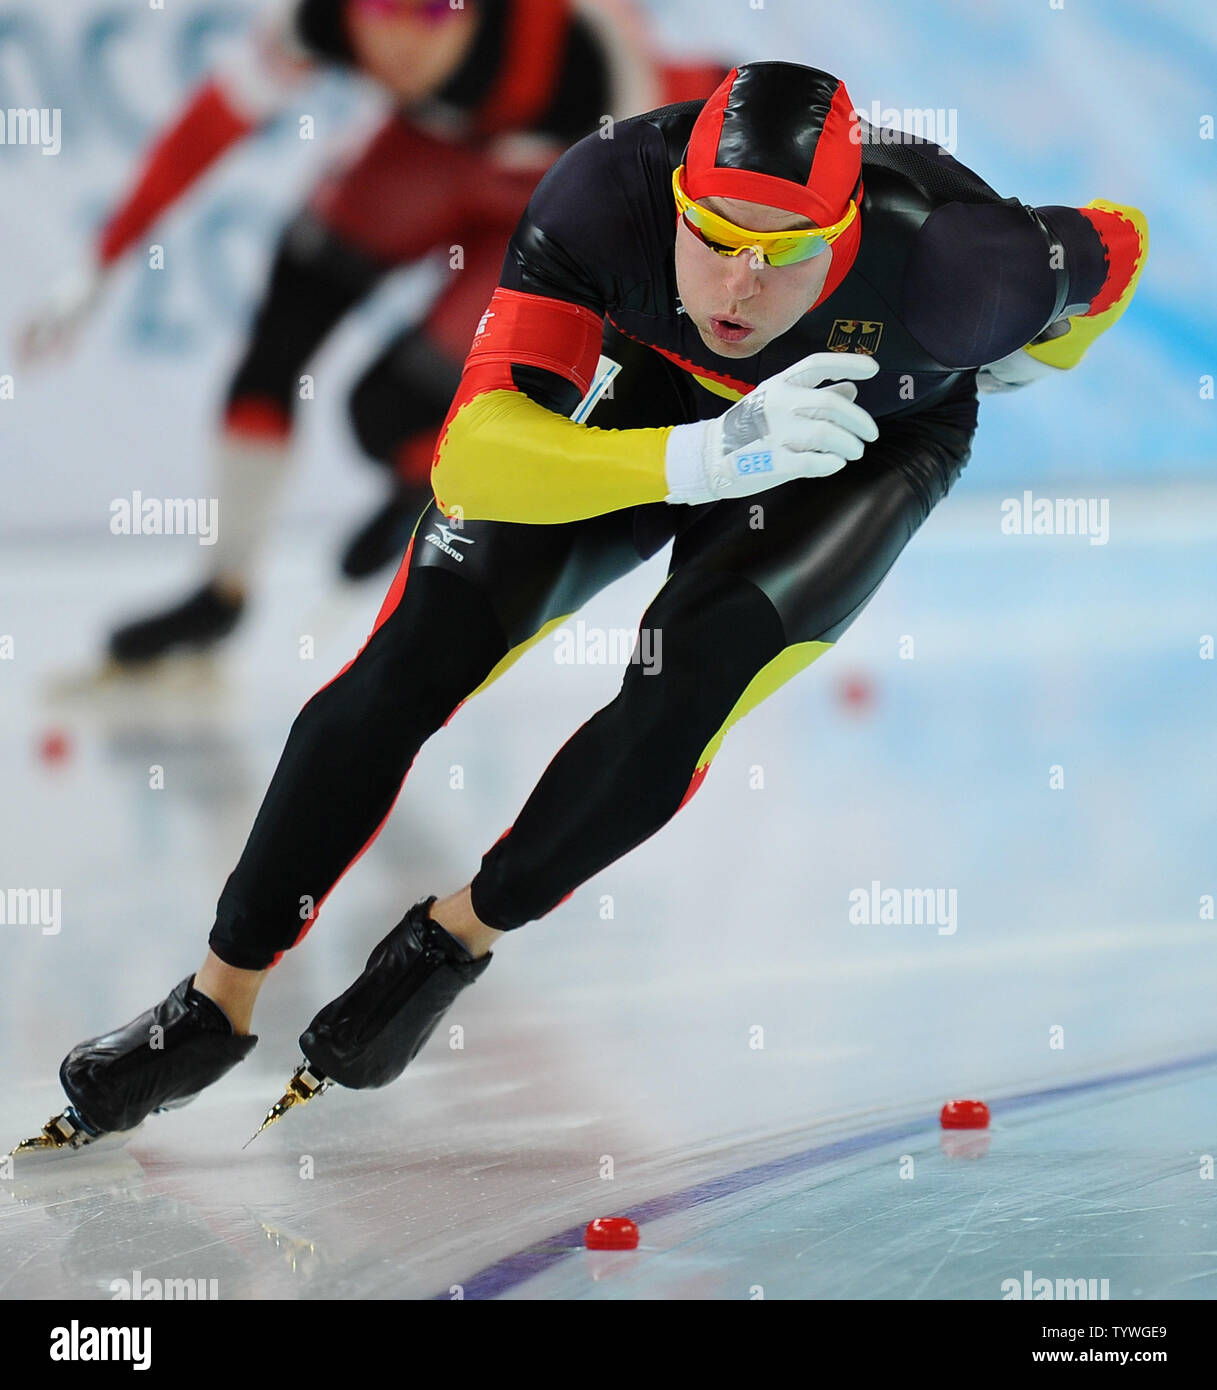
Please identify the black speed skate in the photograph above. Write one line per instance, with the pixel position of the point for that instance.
(368, 1035)
(158, 1061)
(194, 625)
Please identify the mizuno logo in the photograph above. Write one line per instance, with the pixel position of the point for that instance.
(445, 539)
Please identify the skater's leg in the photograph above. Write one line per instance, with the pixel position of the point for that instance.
(399, 405)
(466, 602)
(627, 770)
(396, 410)
(491, 587)
(720, 648)
(234, 990)
(329, 258)
(396, 199)
(500, 587)
(456, 915)
(758, 589)
(404, 396)
(315, 279)
(456, 616)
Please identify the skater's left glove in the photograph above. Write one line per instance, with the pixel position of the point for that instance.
(53, 329)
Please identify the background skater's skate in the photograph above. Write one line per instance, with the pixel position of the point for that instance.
(174, 651)
(158, 1061)
(197, 624)
(368, 1036)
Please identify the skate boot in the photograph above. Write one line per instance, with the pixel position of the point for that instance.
(367, 1036)
(158, 1061)
(196, 624)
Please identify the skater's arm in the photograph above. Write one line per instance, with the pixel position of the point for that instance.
(505, 456)
(1124, 237)
(547, 469)
(243, 94)
(1031, 288)
(253, 86)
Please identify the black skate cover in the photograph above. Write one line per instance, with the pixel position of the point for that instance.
(162, 1058)
(195, 624)
(367, 1036)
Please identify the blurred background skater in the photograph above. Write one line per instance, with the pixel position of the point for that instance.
(486, 94)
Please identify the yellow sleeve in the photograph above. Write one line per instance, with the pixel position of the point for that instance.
(504, 457)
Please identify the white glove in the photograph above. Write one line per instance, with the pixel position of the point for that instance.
(1012, 373)
(789, 427)
(53, 329)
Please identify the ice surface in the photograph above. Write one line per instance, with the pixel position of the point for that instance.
(630, 1046)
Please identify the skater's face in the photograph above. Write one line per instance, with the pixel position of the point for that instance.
(410, 46)
(739, 304)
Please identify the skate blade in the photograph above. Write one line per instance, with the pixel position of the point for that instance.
(303, 1086)
(62, 1137)
(299, 1252)
(180, 674)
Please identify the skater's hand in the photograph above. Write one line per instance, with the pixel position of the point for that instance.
(53, 329)
(791, 426)
(1012, 373)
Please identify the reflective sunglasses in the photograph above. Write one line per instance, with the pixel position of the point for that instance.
(774, 248)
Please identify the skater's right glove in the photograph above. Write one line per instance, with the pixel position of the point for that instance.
(791, 426)
(53, 329)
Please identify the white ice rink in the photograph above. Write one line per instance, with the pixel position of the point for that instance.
(614, 1066)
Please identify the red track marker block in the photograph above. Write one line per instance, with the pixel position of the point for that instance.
(54, 746)
(611, 1233)
(965, 1114)
(856, 693)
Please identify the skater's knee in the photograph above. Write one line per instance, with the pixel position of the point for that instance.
(261, 401)
(699, 647)
(405, 393)
(428, 655)
(374, 416)
(356, 708)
